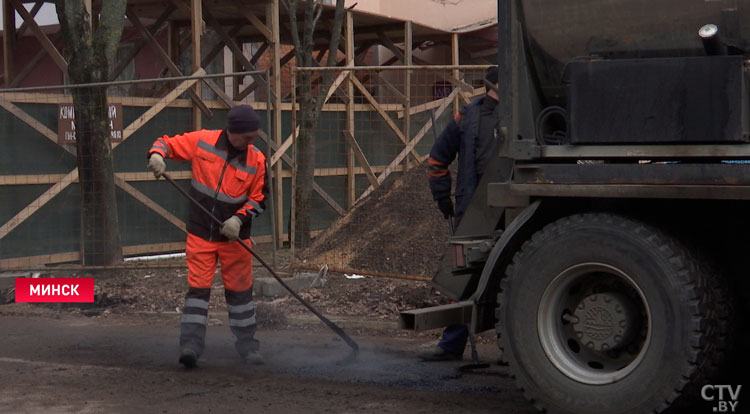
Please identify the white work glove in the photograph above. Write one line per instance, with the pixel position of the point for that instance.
(231, 228)
(156, 164)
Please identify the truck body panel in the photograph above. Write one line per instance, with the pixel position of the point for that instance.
(606, 242)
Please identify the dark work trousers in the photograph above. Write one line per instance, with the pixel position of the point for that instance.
(454, 339)
(242, 323)
(242, 320)
(194, 320)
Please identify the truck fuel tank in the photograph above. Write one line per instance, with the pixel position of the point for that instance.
(558, 32)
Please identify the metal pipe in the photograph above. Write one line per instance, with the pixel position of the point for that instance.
(130, 82)
(709, 35)
(387, 68)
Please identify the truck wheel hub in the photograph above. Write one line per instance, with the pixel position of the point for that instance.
(604, 321)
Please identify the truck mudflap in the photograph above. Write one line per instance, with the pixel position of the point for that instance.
(483, 318)
(501, 244)
(468, 311)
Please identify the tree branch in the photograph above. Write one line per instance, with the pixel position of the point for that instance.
(291, 9)
(333, 47)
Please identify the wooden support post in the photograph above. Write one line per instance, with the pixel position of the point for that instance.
(262, 28)
(146, 201)
(173, 41)
(349, 48)
(407, 87)
(32, 122)
(158, 107)
(383, 114)
(254, 61)
(41, 36)
(34, 10)
(9, 37)
(233, 46)
(455, 61)
(196, 20)
(154, 30)
(366, 167)
(409, 147)
(388, 43)
(237, 80)
(89, 8)
(165, 57)
(40, 201)
(272, 21)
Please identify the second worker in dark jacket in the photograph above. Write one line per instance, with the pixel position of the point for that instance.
(470, 137)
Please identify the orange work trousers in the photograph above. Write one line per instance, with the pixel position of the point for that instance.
(236, 263)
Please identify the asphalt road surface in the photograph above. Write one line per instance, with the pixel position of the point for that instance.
(129, 365)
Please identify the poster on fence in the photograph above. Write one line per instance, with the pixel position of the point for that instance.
(66, 125)
(441, 89)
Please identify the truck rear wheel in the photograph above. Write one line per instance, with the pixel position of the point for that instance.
(600, 313)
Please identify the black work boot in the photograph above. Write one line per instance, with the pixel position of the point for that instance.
(193, 325)
(437, 353)
(253, 358)
(188, 358)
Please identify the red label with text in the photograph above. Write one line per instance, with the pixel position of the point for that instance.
(70, 289)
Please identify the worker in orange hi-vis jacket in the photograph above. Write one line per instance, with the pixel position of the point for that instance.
(229, 179)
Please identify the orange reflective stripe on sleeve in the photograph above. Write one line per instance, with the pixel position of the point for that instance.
(182, 147)
(160, 147)
(437, 168)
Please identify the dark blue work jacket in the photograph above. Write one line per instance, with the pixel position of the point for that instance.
(457, 139)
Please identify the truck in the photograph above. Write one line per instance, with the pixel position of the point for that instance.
(608, 241)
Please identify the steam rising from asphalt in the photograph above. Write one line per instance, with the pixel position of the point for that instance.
(335, 362)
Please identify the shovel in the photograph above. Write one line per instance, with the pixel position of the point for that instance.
(335, 328)
(475, 364)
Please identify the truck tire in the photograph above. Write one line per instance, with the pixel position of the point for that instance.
(601, 313)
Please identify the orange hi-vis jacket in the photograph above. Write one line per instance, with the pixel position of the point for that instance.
(225, 187)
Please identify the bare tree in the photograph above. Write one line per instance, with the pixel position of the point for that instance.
(90, 52)
(310, 101)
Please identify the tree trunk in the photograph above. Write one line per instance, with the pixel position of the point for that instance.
(305, 152)
(89, 54)
(100, 233)
(310, 102)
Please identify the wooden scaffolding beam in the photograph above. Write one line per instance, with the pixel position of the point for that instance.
(197, 27)
(349, 133)
(272, 20)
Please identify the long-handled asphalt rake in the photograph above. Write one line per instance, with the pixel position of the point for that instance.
(335, 328)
